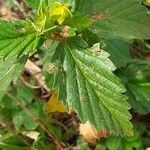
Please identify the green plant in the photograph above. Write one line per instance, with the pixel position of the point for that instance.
(69, 37)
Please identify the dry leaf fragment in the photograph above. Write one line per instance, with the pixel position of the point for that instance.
(31, 134)
(55, 105)
(90, 134)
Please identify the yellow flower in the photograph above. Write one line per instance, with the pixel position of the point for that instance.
(54, 104)
(60, 11)
(147, 1)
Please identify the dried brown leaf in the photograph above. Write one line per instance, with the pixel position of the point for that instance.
(90, 134)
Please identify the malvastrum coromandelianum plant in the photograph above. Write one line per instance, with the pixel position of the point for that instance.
(79, 69)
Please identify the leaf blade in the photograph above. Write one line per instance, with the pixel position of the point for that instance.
(92, 90)
(14, 41)
(118, 19)
(11, 68)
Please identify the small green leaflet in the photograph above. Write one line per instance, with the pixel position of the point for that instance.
(139, 97)
(92, 90)
(25, 95)
(34, 108)
(118, 19)
(137, 78)
(22, 117)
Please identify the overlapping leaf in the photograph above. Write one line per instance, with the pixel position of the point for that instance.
(12, 107)
(138, 84)
(119, 52)
(13, 41)
(93, 91)
(22, 117)
(78, 21)
(53, 70)
(139, 97)
(15, 45)
(118, 49)
(128, 143)
(115, 18)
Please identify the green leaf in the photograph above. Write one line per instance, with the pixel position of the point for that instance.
(53, 70)
(124, 19)
(24, 112)
(6, 113)
(119, 52)
(13, 147)
(14, 47)
(77, 4)
(93, 91)
(139, 97)
(10, 69)
(126, 146)
(18, 119)
(127, 143)
(10, 138)
(8, 102)
(40, 4)
(141, 91)
(30, 123)
(36, 110)
(33, 4)
(78, 21)
(1, 96)
(28, 118)
(135, 141)
(113, 143)
(24, 95)
(14, 41)
(90, 37)
(138, 85)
